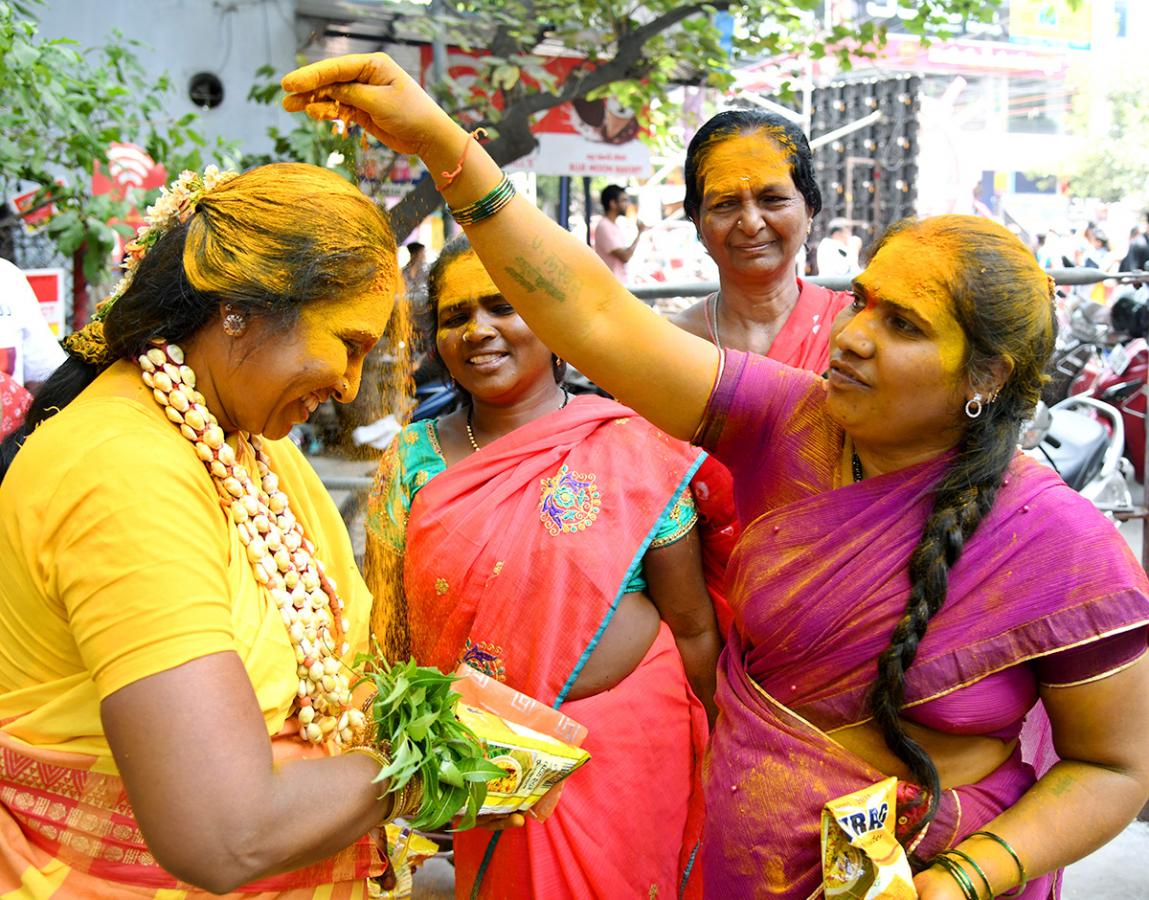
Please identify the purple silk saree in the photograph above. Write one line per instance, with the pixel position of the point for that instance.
(818, 582)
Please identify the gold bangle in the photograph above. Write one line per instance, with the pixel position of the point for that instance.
(383, 762)
(1016, 859)
(408, 801)
(370, 726)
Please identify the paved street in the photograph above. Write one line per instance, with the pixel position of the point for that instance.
(1118, 871)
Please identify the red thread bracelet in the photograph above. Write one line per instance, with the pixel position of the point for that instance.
(451, 176)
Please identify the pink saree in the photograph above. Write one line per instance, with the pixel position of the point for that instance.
(804, 343)
(818, 582)
(516, 558)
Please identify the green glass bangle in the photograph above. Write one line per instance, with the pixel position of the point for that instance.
(958, 874)
(973, 862)
(487, 206)
(1004, 844)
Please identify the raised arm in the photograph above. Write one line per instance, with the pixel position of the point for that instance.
(560, 287)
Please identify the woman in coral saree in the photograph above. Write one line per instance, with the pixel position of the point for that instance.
(531, 557)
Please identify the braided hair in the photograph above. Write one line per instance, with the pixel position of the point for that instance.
(1002, 300)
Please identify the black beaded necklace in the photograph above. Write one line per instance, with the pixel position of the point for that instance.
(856, 466)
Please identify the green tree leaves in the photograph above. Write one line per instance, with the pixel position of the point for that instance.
(60, 109)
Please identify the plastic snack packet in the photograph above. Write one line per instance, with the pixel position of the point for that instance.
(407, 851)
(534, 744)
(861, 856)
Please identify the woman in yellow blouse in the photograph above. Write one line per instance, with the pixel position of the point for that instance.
(177, 592)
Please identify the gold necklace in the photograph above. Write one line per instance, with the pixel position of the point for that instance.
(281, 556)
(471, 416)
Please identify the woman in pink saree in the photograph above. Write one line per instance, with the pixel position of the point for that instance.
(907, 587)
(539, 538)
(761, 305)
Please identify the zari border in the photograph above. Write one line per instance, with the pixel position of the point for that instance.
(1101, 677)
(1003, 667)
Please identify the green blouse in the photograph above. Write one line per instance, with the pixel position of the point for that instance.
(418, 459)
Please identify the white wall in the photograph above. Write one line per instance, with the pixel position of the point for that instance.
(230, 38)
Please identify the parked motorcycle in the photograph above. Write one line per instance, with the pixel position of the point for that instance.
(1083, 338)
(1120, 378)
(1083, 439)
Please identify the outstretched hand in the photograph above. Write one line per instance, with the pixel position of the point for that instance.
(372, 91)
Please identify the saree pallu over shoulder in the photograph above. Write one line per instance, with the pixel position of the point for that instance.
(563, 507)
(1043, 572)
(516, 560)
(67, 831)
(820, 583)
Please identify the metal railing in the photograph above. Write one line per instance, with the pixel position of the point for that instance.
(1068, 277)
(650, 292)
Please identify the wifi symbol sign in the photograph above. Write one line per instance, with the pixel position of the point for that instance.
(129, 165)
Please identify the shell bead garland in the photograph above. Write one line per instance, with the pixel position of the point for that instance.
(281, 556)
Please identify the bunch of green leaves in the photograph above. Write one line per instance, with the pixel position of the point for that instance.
(414, 713)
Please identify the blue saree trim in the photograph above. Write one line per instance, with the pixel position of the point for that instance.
(573, 677)
(483, 865)
(689, 868)
(631, 569)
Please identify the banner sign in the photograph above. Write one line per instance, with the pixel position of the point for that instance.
(583, 137)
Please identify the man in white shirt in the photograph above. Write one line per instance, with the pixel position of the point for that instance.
(29, 352)
(836, 256)
(610, 241)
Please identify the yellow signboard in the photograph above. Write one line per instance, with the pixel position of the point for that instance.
(1051, 22)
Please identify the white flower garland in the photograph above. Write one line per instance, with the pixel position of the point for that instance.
(281, 556)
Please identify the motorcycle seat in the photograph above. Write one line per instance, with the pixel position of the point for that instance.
(1075, 444)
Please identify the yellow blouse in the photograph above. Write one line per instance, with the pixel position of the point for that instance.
(118, 562)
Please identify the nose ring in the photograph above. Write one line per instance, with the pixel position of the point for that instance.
(739, 223)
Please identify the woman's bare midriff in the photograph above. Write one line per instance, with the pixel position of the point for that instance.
(960, 758)
(621, 648)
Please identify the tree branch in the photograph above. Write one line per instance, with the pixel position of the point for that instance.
(515, 139)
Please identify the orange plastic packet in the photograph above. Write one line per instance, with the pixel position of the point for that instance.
(861, 856)
(520, 711)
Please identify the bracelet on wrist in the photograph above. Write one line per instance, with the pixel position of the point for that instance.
(454, 173)
(1005, 845)
(485, 207)
(383, 761)
(961, 854)
(958, 874)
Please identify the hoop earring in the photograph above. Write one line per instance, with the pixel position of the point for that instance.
(973, 406)
(234, 323)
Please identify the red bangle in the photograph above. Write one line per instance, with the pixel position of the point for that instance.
(451, 176)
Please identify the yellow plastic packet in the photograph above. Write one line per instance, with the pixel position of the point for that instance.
(407, 851)
(533, 762)
(484, 692)
(861, 856)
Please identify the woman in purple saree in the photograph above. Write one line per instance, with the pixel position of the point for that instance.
(907, 588)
